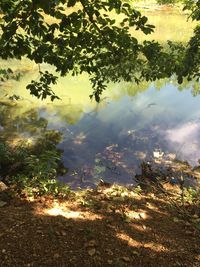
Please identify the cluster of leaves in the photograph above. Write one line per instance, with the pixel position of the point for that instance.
(192, 56)
(42, 88)
(82, 36)
(40, 175)
(179, 59)
(194, 6)
(77, 36)
(6, 74)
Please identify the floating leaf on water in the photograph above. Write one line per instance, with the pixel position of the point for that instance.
(97, 160)
(99, 169)
(158, 154)
(171, 156)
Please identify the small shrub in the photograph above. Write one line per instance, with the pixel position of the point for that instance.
(36, 186)
(34, 169)
(39, 175)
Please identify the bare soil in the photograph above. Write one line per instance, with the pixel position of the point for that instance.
(95, 229)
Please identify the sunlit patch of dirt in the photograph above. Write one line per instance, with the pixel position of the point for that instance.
(59, 209)
(131, 242)
(155, 247)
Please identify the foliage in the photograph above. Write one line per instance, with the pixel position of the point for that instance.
(5, 154)
(33, 169)
(191, 195)
(194, 6)
(39, 175)
(6, 74)
(39, 185)
(87, 37)
(42, 88)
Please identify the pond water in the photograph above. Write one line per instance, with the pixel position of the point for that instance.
(131, 124)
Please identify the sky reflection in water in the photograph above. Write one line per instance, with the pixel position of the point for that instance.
(111, 139)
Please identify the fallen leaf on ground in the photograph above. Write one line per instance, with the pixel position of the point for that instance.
(92, 252)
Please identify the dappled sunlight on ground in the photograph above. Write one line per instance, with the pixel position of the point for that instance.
(135, 244)
(58, 209)
(124, 237)
(103, 227)
(155, 247)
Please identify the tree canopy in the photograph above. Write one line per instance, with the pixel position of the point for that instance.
(84, 36)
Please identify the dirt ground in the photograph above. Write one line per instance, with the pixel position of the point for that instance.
(97, 230)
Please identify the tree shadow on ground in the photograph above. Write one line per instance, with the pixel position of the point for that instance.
(53, 233)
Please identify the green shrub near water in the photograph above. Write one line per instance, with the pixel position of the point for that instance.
(40, 175)
(33, 170)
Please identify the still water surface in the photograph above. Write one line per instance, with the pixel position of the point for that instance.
(111, 140)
